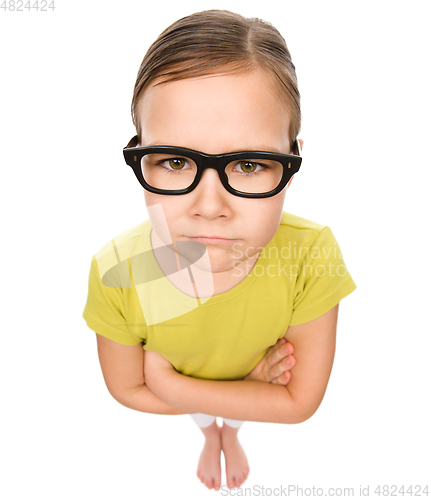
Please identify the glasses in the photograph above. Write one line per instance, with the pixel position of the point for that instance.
(173, 170)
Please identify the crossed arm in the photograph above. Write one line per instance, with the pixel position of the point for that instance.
(256, 401)
(174, 393)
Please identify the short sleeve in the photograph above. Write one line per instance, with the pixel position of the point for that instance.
(322, 279)
(104, 310)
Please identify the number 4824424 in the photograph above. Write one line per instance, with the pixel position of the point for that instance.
(21, 6)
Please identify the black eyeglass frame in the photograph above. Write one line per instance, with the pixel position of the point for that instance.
(133, 156)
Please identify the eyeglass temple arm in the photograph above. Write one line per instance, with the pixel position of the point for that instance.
(297, 148)
(133, 142)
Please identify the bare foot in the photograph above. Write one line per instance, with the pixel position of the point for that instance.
(209, 469)
(237, 468)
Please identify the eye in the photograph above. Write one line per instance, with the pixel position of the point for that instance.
(176, 163)
(248, 166)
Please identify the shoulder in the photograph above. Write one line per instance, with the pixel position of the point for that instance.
(289, 220)
(300, 231)
(126, 238)
(125, 245)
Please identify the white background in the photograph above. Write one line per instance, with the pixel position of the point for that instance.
(66, 85)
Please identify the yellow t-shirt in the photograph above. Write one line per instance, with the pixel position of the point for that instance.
(298, 276)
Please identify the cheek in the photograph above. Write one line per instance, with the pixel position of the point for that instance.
(150, 198)
(163, 211)
(269, 216)
(155, 202)
(269, 210)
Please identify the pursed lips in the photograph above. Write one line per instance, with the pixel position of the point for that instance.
(219, 239)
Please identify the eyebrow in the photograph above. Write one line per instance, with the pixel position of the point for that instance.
(261, 148)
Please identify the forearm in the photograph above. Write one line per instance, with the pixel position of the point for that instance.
(143, 399)
(238, 400)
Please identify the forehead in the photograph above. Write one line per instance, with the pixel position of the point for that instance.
(215, 113)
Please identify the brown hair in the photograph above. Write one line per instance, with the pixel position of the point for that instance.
(204, 42)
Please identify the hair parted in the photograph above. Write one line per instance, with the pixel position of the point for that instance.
(206, 42)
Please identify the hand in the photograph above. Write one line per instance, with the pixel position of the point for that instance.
(275, 366)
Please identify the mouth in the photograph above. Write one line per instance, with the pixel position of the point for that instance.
(211, 240)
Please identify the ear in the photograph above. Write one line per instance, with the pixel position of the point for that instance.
(290, 182)
(298, 145)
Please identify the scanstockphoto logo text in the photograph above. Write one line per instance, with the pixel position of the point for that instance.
(287, 491)
(27, 6)
(296, 491)
(330, 258)
(287, 252)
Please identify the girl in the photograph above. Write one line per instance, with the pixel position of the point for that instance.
(219, 278)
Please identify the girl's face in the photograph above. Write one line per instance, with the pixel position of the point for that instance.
(217, 114)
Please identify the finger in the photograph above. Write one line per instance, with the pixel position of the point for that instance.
(290, 347)
(274, 347)
(286, 363)
(267, 362)
(280, 351)
(283, 379)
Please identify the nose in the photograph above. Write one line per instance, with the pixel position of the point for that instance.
(210, 184)
(210, 197)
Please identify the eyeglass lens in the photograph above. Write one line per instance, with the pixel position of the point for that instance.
(173, 173)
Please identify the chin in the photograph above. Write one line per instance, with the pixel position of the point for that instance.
(215, 264)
